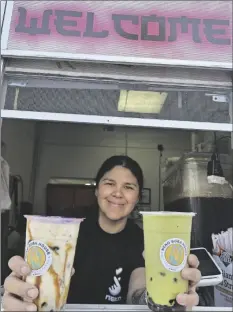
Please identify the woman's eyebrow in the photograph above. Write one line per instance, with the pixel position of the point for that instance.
(132, 184)
(127, 183)
(107, 179)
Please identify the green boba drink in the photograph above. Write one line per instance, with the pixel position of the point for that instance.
(167, 245)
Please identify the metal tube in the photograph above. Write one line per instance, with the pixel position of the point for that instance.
(193, 141)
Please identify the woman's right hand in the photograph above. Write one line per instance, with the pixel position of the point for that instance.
(19, 295)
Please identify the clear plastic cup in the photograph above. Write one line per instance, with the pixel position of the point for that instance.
(49, 250)
(167, 238)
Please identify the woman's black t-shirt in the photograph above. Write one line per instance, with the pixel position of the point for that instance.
(104, 262)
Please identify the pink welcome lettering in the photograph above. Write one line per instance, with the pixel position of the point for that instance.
(149, 28)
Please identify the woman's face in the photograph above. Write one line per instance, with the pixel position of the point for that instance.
(117, 193)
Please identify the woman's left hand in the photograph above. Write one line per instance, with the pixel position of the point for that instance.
(193, 275)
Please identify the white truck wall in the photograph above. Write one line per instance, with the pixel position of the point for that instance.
(71, 150)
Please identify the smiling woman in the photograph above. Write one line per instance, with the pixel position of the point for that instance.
(115, 242)
(119, 185)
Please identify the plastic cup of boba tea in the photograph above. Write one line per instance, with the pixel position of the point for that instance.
(49, 250)
(167, 238)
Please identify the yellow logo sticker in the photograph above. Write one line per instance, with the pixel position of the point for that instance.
(173, 254)
(39, 256)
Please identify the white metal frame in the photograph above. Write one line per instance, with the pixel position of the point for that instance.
(41, 73)
(3, 7)
(128, 308)
(6, 25)
(120, 121)
(113, 59)
(3, 89)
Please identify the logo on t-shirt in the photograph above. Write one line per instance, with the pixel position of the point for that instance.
(115, 289)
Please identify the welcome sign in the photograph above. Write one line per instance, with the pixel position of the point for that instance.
(182, 30)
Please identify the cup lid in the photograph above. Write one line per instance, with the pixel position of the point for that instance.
(168, 213)
(52, 219)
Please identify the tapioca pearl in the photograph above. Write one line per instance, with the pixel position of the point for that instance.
(44, 305)
(162, 274)
(175, 280)
(151, 279)
(172, 301)
(55, 249)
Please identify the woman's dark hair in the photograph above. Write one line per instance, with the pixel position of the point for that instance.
(123, 161)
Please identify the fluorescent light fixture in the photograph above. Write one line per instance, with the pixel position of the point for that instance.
(141, 101)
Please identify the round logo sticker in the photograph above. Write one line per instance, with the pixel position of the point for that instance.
(173, 254)
(39, 257)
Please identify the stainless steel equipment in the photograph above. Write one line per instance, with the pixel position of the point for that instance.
(186, 188)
